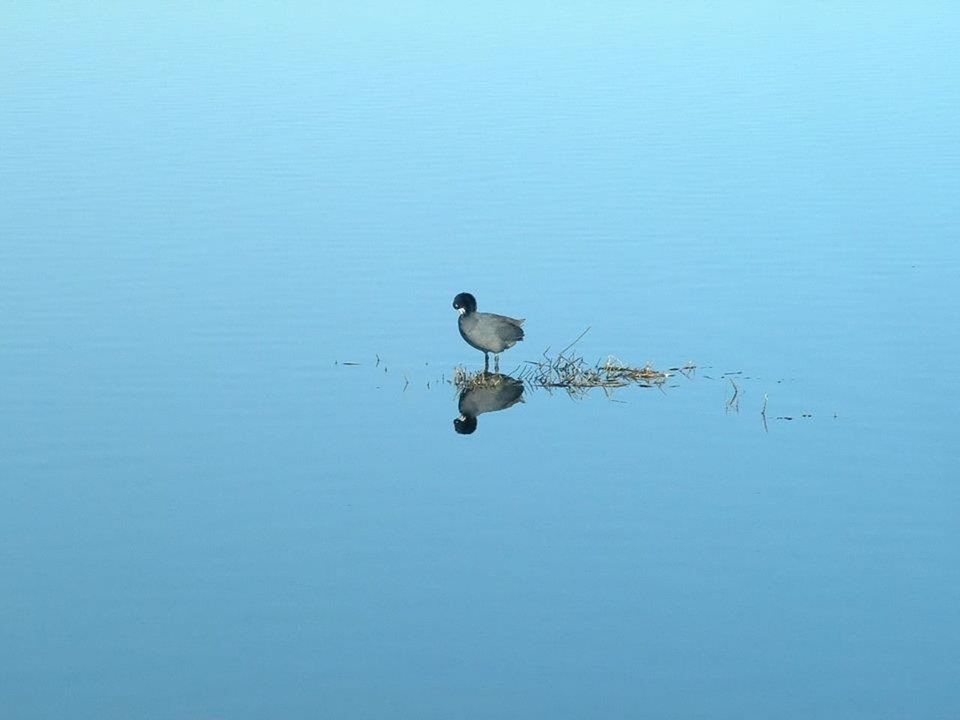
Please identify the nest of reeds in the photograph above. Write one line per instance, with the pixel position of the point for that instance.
(464, 379)
(575, 375)
(569, 371)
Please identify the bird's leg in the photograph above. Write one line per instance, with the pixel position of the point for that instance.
(496, 362)
(486, 363)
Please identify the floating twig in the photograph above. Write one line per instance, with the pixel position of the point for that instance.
(734, 402)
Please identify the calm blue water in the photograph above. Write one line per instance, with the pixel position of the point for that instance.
(209, 213)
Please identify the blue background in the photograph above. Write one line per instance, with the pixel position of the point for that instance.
(207, 210)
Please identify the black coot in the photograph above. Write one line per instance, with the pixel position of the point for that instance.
(486, 332)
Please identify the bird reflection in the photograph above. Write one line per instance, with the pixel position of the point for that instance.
(487, 392)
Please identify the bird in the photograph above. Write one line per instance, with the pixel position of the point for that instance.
(487, 332)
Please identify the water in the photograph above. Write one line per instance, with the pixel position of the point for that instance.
(206, 512)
